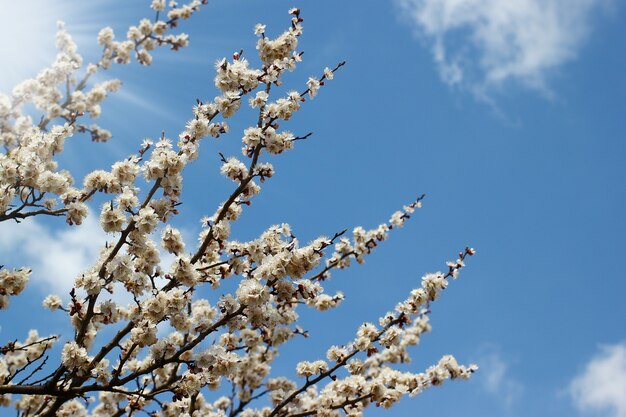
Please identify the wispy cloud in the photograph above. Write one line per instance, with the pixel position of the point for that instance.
(602, 384)
(496, 378)
(482, 44)
(139, 99)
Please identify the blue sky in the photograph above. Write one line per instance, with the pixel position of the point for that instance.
(509, 115)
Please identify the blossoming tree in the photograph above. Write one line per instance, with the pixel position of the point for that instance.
(170, 348)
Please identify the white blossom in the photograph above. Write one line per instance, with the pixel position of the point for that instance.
(52, 302)
(167, 329)
(73, 356)
(314, 85)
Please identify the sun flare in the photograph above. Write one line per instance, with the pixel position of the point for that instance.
(27, 36)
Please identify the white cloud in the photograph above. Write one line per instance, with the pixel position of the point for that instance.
(602, 384)
(56, 256)
(496, 378)
(481, 44)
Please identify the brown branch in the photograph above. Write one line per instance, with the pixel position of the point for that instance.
(17, 215)
(242, 404)
(346, 403)
(23, 368)
(329, 372)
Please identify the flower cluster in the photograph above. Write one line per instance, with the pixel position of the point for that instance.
(169, 345)
(373, 379)
(12, 282)
(30, 182)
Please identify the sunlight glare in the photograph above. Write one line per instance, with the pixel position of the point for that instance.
(27, 37)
